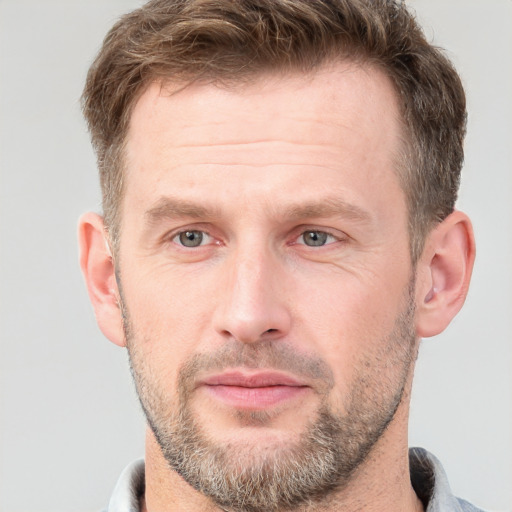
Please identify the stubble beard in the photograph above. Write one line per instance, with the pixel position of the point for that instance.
(287, 477)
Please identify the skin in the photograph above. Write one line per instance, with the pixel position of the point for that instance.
(252, 169)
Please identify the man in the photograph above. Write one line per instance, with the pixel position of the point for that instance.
(279, 232)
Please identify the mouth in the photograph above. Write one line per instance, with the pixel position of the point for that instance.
(255, 390)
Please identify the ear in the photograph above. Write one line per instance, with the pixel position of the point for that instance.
(443, 274)
(98, 269)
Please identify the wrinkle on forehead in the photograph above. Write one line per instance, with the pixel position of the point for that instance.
(268, 140)
(316, 100)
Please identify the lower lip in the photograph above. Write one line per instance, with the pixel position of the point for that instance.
(255, 398)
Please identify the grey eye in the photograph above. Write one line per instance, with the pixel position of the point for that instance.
(315, 238)
(191, 238)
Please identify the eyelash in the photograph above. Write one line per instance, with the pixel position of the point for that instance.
(318, 233)
(176, 237)
(322, 234)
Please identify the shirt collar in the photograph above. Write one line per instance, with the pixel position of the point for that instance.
(129, 489)
(428, 479)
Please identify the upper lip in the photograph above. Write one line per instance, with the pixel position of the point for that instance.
(253, 379)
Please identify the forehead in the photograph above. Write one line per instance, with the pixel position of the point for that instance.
(339, 95)
(342, 118)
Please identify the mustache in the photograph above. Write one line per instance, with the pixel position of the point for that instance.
(265, 354)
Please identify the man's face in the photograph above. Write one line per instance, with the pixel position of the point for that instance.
(266, 280)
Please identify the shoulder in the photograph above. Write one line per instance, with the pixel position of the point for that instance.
(465, 506)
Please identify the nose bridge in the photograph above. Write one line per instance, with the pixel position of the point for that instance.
(251, 306)
(252, 267)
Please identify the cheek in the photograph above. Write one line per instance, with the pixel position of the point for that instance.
(349, 321)
(168, 317)
(350, 307)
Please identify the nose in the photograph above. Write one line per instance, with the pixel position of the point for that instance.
(251, 304)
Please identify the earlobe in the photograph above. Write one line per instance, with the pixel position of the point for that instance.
(98, 269)
(443, 274)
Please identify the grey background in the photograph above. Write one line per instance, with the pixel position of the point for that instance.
(69, 420)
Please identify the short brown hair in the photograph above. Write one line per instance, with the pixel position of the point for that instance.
(227, 41)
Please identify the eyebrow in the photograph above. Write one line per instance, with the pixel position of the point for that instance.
(172, 208)
(328, 207)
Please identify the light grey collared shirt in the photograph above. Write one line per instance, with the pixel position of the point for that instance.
(427, 476)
